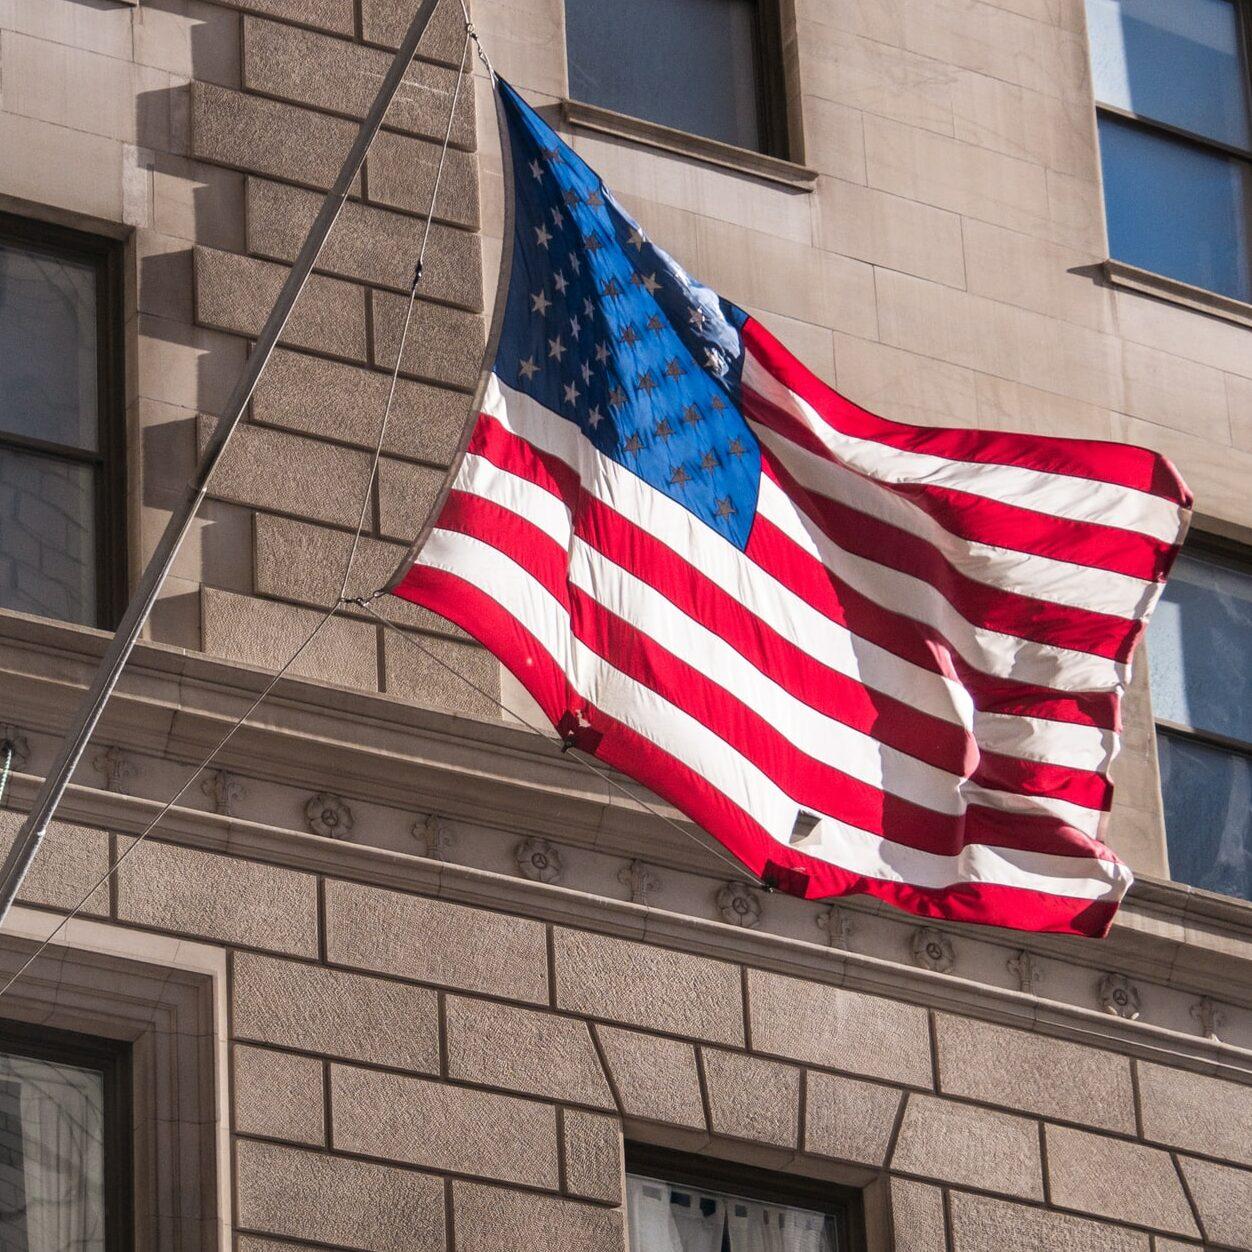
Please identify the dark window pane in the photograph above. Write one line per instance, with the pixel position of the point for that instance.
(1199, 645)
(51, 1156)
(1176, 61)
(1208, 814)
(1177, 209)
(690, 64)
(47, 537)
(48, 367)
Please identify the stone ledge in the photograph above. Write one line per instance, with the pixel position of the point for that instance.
(727, 156)
(1131, 277)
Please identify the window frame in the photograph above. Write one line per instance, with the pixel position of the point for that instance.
(769, 75)
(1243, 20)
(113, 1059)
(666, 1165)
(109, 458)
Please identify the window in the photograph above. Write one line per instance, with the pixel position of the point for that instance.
(62, 544)
(1198, 648)
(64, 1150)
(710, 67)
(677, 1205)
(1175, 121)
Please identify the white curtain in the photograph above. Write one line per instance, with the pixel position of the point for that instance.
(53, 1164)
(767, 1228)
(673, 1219)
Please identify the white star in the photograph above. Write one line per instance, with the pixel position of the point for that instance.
(651, 284)
(697, 318)
(542, 237)
(575, 327)
(528, 369)
(585, 370)
(713, 360)
(571, 393)
(560, 282)
(589, 309)
(637, 238)
(557, 216)
(574, 263)
(595, 417)
(540, 303)
(556, 348)
(602, 352)
(536, 169)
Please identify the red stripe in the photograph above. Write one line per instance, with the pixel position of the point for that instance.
(1123, 464)
(991, 608)
(811, 782)
(1014, 907)
(996, 522)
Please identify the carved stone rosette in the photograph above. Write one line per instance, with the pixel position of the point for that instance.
(539, 860)
(932, 950)
(329, 816)
(1023, 966)
(1118, 996)
(639, 879)
(739, 905)
(12, 738)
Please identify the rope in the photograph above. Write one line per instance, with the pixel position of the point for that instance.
(472, 32)
(565, 749)
(408, 321)
(8, 765)
(169, 804)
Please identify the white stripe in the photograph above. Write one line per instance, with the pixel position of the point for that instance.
(481, 477)
(1005, 569)
(825, 739)
(990, 651)
(826, 641)
(695, 746)
(1079, 499)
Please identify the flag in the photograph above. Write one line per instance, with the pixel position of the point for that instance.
(865, 656)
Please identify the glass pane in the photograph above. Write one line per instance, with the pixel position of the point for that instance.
(690, 64)
(1199, 644)
(51, 1157)
(667, 1217)
(47, 537)
(48, 368)
(1177, 61)
(1177, 209)
(1208, 814)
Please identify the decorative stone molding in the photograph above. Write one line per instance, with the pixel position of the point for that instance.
(932, 950)
(539, 860)
(739, 905)
(836, 924)
(639, 879)
(329, 816)
(222, 790)
(1210, 1016)
(116, 766)
(1025, 968)
(433, 836)
(1119, 996)
(12, 737)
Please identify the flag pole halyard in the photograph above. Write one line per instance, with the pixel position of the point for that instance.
(18, 861)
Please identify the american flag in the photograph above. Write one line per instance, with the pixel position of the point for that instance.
(865, 656)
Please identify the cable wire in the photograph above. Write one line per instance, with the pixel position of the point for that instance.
(566, 749)
(408, 321)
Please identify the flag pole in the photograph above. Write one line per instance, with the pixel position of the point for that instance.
(30, 836)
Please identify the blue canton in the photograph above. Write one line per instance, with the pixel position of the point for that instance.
(607, 330)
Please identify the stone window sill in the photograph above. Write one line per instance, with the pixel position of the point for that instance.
(1119, 274)
(711, 151)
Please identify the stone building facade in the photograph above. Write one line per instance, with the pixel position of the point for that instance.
(397, 974)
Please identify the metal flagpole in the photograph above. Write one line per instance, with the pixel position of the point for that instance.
(32, 832)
